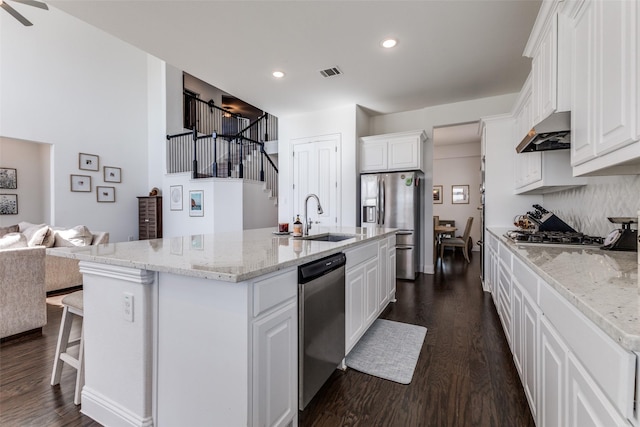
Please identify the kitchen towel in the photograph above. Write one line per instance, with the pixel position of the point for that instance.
(388, 350)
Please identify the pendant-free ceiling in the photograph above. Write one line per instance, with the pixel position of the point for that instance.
(17, 15)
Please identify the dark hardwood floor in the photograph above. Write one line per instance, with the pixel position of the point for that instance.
(465, 375)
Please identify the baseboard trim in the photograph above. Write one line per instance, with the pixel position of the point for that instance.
(109, 413)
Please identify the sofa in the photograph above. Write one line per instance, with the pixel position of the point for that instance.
(28, 273)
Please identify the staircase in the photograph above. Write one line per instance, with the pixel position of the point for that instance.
(208, 154)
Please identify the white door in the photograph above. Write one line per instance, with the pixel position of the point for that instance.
(315, 171)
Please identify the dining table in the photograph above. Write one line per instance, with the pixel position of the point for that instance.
(438, 232)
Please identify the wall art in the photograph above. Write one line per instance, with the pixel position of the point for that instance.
(195, 203)
(437, 194)
(460, 194)
(175, 193)
(8, 204)
(106, 194)
(112, 174)
(8, 178)
(81, 183)
(88, 162)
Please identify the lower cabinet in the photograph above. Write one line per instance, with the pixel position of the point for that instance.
(275, 356)
(572, 373)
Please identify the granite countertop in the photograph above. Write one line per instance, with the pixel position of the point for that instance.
(603, 285)
(230, 256)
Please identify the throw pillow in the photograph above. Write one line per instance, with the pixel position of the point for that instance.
(49, 239)
(9, 229)
(35, 233)
(75, 236)
(13, 240)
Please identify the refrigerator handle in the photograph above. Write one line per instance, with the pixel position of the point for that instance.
(378, 200)
(382, 202)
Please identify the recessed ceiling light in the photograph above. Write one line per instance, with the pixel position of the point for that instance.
(389, 43)
(278, 74)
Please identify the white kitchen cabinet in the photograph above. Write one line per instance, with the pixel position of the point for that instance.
(355, 287)
(544, 69)
(383, 282)
(516, 328)
(392, 152)
(604, 102)
(553, 365)
(391, 273)
(372, 291)
(275, 360)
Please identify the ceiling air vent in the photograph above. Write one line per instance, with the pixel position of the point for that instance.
(331, 72)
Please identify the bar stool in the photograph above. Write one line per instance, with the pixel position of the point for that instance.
(68, 351)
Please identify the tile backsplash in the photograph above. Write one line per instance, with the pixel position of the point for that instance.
(586, 208)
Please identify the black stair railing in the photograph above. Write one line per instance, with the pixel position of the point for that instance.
(205, 147)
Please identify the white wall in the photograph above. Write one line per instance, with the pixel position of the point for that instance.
(458, 164)
(31, 161)
(70, 85)
(340, 120)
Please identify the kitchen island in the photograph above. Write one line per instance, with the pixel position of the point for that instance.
(571, 318)
(203, 329)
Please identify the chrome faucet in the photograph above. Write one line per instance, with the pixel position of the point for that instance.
(307, 220)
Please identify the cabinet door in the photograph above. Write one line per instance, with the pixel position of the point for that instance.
(583, 88)
(373, 156)
(615, 33)
(587, 405)
(275, 364)
(553, 403)
(544, 68)
(516, 327)
(354, 298)
(383, 281)
(371, 292)
(529, 328)
(391, 274)
(404, 153)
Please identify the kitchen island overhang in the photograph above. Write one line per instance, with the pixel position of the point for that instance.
(213, 317)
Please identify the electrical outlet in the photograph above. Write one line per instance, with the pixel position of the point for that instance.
(128, 306)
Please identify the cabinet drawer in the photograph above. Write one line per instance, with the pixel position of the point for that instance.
(361, 254)
(526, 278)
(609, 364)
(269, 292)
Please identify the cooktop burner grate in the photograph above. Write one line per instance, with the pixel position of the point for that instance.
(554, 238)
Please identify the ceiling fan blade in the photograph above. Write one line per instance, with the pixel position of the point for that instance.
(34, 3)
(15, 14)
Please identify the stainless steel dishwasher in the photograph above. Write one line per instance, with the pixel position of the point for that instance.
(321, 302)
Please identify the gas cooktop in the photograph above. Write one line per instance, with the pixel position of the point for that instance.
(571, 238)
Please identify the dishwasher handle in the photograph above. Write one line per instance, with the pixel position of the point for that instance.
(315, 269)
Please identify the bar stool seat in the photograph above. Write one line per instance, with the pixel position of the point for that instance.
(70, 351)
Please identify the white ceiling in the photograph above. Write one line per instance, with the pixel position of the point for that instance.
(448, 51)
(462, 133)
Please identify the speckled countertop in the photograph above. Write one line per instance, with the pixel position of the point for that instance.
(603, 285)
(230, 256)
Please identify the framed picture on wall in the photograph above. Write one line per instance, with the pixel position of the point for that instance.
(175, 193)
(112, 174)
(8, 178)
(460, 194)
(81, 183)
(437, 194)
(88, 162)
(106, 194)
(195, 203)
(8, 204)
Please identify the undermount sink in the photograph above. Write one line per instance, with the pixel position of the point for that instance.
(329, 237)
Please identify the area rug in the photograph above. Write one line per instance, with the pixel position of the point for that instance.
(388, 350)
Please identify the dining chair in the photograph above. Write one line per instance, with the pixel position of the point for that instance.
(459, 242)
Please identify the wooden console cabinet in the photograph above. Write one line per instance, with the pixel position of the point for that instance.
(149, 217)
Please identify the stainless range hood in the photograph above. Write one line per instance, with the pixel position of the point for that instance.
(553, 133)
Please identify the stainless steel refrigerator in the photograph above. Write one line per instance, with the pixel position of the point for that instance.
(392, 200)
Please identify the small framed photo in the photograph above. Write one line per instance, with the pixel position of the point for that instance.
(88, 162)
(106, 194)
(437, 194)
(81, 183)
(197, 241)
(176, 197)
(195, 203)
(8, 204)
(460, 194)
(8, 178)
(112, 174)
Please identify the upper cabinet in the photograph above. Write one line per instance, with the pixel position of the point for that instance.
(605, 95)
(392, 152)
(550, 68)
